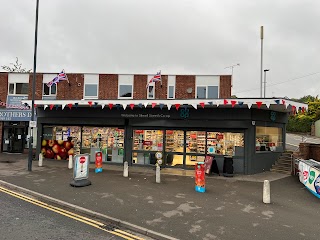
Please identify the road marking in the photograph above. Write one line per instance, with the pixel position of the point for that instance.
(77, 217)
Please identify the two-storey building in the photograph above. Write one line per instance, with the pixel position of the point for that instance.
(185, 117)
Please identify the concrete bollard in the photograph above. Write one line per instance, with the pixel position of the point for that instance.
(70, 162)
(125, 169)
(40, 160)
(266, 191)
(158, 180)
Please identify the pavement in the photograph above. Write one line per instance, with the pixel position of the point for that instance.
(231, 208)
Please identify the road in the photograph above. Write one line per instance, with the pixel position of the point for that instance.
(27, 218)
(293, 140)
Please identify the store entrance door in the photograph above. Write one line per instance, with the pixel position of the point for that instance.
(13, 140)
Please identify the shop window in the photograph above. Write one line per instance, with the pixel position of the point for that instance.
(49, 91)
(171, 92)
(269, 139)
(91, 91)
(125, 91)
(204, 92)
(19, 88)
(174, 148)
(59, 142)
(145, 144)
(108, 140)
(225, 143)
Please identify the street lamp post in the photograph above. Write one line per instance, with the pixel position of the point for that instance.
(265, 81)
(33, 86)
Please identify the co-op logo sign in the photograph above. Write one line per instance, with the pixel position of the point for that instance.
(13, 115)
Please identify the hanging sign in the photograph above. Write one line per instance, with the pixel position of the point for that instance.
(81, 167)
(98, 162)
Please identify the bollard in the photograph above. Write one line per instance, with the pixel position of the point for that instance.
(158, 174)
(125, 169)
(266, 191)
(70, 162)
(40, 160)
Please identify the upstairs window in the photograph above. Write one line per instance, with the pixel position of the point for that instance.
(125, 86)
(18, 88)
(125, 91)
(91, 91)
(91, 86)
(171, 92)
(151, 91)
(207, 86)
(49, 91)
(207, 92)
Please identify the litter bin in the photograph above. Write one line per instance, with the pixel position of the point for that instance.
(228, 166)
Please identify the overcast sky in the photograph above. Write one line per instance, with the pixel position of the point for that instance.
(174, 36)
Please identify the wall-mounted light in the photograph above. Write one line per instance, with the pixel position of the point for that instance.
(189, 90)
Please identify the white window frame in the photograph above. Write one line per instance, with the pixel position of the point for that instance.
(91, 79)
(206, 89)
(14, 78)
(171, 83)
(207, 81)
(152, 84)
(125, 80)
(47, 78)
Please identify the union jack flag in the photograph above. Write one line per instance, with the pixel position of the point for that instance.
(61, 77)
(156, 78)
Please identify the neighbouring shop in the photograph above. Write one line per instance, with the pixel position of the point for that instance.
(253, 138)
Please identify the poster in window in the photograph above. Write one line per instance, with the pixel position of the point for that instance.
(58, 135)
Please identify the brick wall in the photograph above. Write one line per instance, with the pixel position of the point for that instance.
(139, 86)
(309, 151)
(72, 91)
(3, 86)
(184, 82)
(225, 86)
(108, 86)
(38, 92)
(162, 90)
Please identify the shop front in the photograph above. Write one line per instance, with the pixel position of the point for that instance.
(249, 136)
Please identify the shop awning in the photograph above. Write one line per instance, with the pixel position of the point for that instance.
(276, 104)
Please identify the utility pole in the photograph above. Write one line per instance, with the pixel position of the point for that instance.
(33, 87)
(261, 37)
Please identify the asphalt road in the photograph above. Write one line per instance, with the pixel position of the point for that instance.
(293, 140)
(23, 220)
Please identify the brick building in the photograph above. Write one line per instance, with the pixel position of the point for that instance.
(184, 117)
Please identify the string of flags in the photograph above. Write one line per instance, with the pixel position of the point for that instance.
(298, 107)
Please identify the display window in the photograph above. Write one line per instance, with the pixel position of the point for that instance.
(145, 144)
(59, 142)
(106, 139)
(225, 143)
(268, 139)
(174, 147)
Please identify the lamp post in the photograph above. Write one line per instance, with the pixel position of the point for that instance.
(33, 86)
(265, 81)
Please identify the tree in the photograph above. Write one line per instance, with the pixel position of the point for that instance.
(16, 67)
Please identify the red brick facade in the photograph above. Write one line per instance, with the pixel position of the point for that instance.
(108, 86)
(183, 82)
(225, 86)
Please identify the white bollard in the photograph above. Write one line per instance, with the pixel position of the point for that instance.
(158, 174)
(40, 160)
(266, 191)
(70, 162)
(125, 169)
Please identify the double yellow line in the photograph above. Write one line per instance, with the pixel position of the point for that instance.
(72, 215)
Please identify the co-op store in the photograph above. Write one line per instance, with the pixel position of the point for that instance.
(253, 134)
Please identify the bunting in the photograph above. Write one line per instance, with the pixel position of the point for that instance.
(233, 103)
